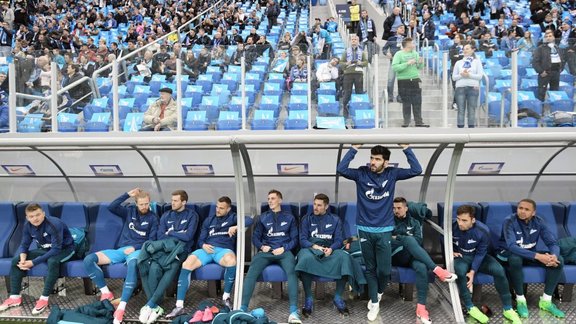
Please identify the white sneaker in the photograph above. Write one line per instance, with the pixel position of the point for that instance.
(155, 314)
(370, 302)
(374, 311)
(145, 312)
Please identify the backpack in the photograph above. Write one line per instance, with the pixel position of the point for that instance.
(81, 244)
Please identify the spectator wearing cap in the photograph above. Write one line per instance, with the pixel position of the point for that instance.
(161, 115)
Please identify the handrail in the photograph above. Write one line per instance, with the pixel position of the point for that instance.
(502, 107)
(435, 60)
(385, 105)
(487, 93)
(369, 136)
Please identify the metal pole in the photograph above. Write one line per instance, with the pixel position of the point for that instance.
(12, 97)
(386, 95)
(239, 184)
(375, 88)
(502, 105)
(445, 89)
(486, 94)
(449, 253)
(309, 81)
(243, 87)
(115, 98)
(179, 94)
(54, 95)
(514, 90)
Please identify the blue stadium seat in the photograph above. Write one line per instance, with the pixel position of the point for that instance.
(68, 122)
(327, 105)
(270, 103)
(299, 88)
(570, 219)
(100, 122)
(326, 88)
(231, 79)
(195, 120)
(8, 225)
(133, 122)
(32, 123)
(263, 120)
(297, 119)
(298, 102)
(363, 119)
(228, 120)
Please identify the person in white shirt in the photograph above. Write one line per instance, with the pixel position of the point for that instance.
(467, 75)
(328, 72)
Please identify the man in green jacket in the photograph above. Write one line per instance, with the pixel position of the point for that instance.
(353, 62)
(407, 63)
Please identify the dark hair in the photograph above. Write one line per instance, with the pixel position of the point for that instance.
(322, 197)
(530, 201)
(274, 191)
(466, 209)
(381, 150)
(32, 207)
(225, 199)
(183, 195)
(401, 200)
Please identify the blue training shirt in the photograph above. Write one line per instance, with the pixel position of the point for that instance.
(521, 238)
(275, 230)
(327, 227)
(375, 191)
(474, 241)
(137, 228)
(179, 225)
(52, 235)
(215, 231)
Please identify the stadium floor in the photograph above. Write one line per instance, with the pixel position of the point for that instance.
(392, 308)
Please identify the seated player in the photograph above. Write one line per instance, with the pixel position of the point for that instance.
(275, 235)
(518, 247)
(471, 240)
(407, 251)
(321, 238)
(218, 245)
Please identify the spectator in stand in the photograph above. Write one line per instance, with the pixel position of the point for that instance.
(285, 43)
(548, 23)
(190, 38)
(488, 47)
(407, 63)
(303, 42)
(263, 45)
(480, 30)
(298, 73)
(353, 60)
(393, 45)
(508, 43)
(526, 43)
(392, 23)
(161, 115)
(281, 64)
(467, 74)
(272, 13)
(235, 38)
(427, 29)
(324, 43)
(548, 63)
(367, 34)
(329, 72)
(202, 38)
(5, 39)
(354, 10)
(190, 66)
(466, 27)
(204, 59)
(331, 25)
(499, 30)
(518, 30)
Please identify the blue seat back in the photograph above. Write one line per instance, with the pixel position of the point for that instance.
(105, 227)
(347, 212)
(8, 224)
(493, 215)
(72, 213)
(570, 219)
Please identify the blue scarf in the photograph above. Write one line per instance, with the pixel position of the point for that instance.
(468, 62)
(353, 56)
(365, 28)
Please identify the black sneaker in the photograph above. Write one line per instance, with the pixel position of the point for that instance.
(422, 125)
(307, 309)
(341, 307)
